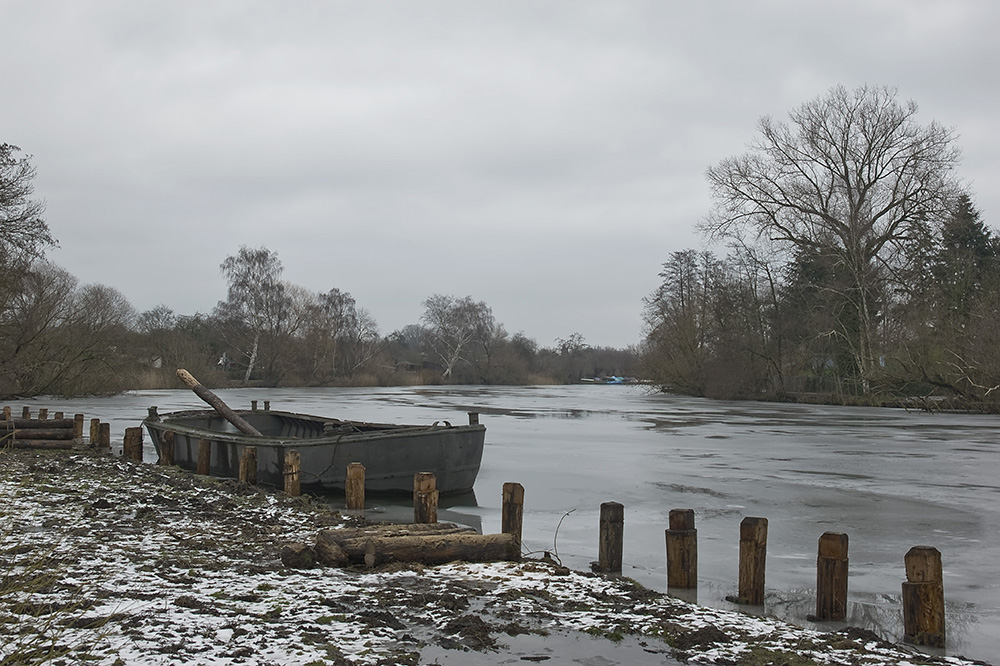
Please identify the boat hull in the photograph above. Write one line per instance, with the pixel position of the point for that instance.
(391, 454)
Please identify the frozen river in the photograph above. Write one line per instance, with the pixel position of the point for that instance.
(888, 478)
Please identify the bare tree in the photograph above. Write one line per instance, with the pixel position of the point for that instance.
(454, 325)
(679, 321)
(65, 339)
(256, 297)
(23, 232)
(852, 176)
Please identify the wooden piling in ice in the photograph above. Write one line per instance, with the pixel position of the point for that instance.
(204, 456)
(166, 449)
(354, 487)
(104, 437)
(425, 497)
(611, 539)
(682, 550)
(248, 465)
(512, 512)
(831, 577)
(293, 463)
(923, 598)
(753, 557)
(132, 444)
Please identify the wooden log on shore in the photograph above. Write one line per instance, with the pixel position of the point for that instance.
(41, 443)
(216, 403)
(392, 530)
(426, 548)
(37, 433)
(35, 424)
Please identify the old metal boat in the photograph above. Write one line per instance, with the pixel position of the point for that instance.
(391, 454)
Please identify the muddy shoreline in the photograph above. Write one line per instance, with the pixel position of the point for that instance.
(107, 561)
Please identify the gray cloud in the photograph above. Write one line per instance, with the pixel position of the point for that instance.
(545, 157)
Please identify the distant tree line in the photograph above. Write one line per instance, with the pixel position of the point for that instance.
(858, 268)
(58, 336)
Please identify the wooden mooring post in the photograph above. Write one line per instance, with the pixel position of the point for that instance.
(753, 556)
(248, 465)
(682, 550)
(354, 487)
(166, 449)
(831, 577)
(95, 433)
(204, 457)
(293, 464)
(611, 538)
(25, 413)
(43, 414)
(78, 428)
(425, 498)
(923, 598)
(512, 513)
(132, 444)
(104, 437)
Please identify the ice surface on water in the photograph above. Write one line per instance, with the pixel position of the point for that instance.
(890, 479)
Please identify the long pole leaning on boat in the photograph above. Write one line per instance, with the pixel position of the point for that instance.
(217, 403)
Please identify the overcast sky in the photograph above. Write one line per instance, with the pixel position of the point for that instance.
(545, 157)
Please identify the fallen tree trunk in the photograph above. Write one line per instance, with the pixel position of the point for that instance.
(391, 530)
(426, 548)
(38, 443)
(35, 423)
(38, 433)
(216, 403)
